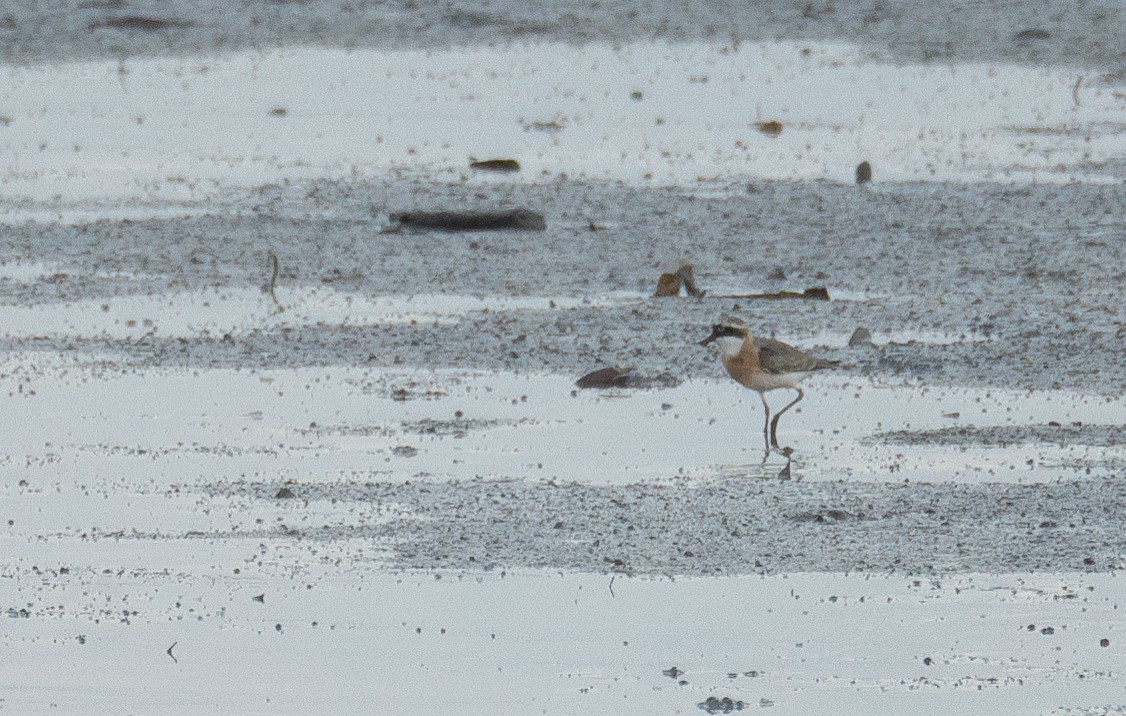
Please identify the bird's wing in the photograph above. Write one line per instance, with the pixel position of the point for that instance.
(778, 357)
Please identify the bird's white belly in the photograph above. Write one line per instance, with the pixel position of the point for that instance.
(769, 381)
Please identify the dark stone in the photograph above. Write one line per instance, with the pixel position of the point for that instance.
(721, 706)
(863, 173)
(604, 378)
(1032, 34)
(861, 338)
(612, 377)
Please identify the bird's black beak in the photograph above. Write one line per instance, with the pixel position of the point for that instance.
(715, 334)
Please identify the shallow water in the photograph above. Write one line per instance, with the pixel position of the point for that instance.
(579, 643)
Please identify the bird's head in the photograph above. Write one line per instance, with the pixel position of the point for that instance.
(729, 330)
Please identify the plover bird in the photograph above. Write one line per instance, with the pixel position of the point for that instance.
(764, 364)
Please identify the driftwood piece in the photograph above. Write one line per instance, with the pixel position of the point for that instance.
(816, 293)
(514, 219)
(274, 281)
(503, 166)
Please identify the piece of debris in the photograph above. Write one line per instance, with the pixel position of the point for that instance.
(514, 219)
(771, 128)
(672, 672)
(503, 166)
(686, 273)
(860, 338)
(169, 652)
(139, 22)
(274, 281)
(595, 227)
(668, 285)
(1032, 34)
(721, 706)
(261, 598)
(778, 274)
(284, 494)
(863, 173)
(550, 126)
(816, 293)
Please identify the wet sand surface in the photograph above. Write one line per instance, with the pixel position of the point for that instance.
(1014, 287)
(377, 487)
(1072, 33)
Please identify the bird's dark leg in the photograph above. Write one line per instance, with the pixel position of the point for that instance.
(774, 423)
(765, 427)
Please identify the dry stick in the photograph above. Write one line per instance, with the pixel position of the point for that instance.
(169, 652)
(274, 281)
(1075, 90)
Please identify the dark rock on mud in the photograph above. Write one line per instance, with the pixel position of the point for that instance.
(604, 378)
(725, 705)
(863, 173)
(515, 219)
(860, 338)
(1032, 35)
(612, 377)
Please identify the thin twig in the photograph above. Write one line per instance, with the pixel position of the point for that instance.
(612, 577)
(1075, 90)
(274, 281)
(169, 652)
